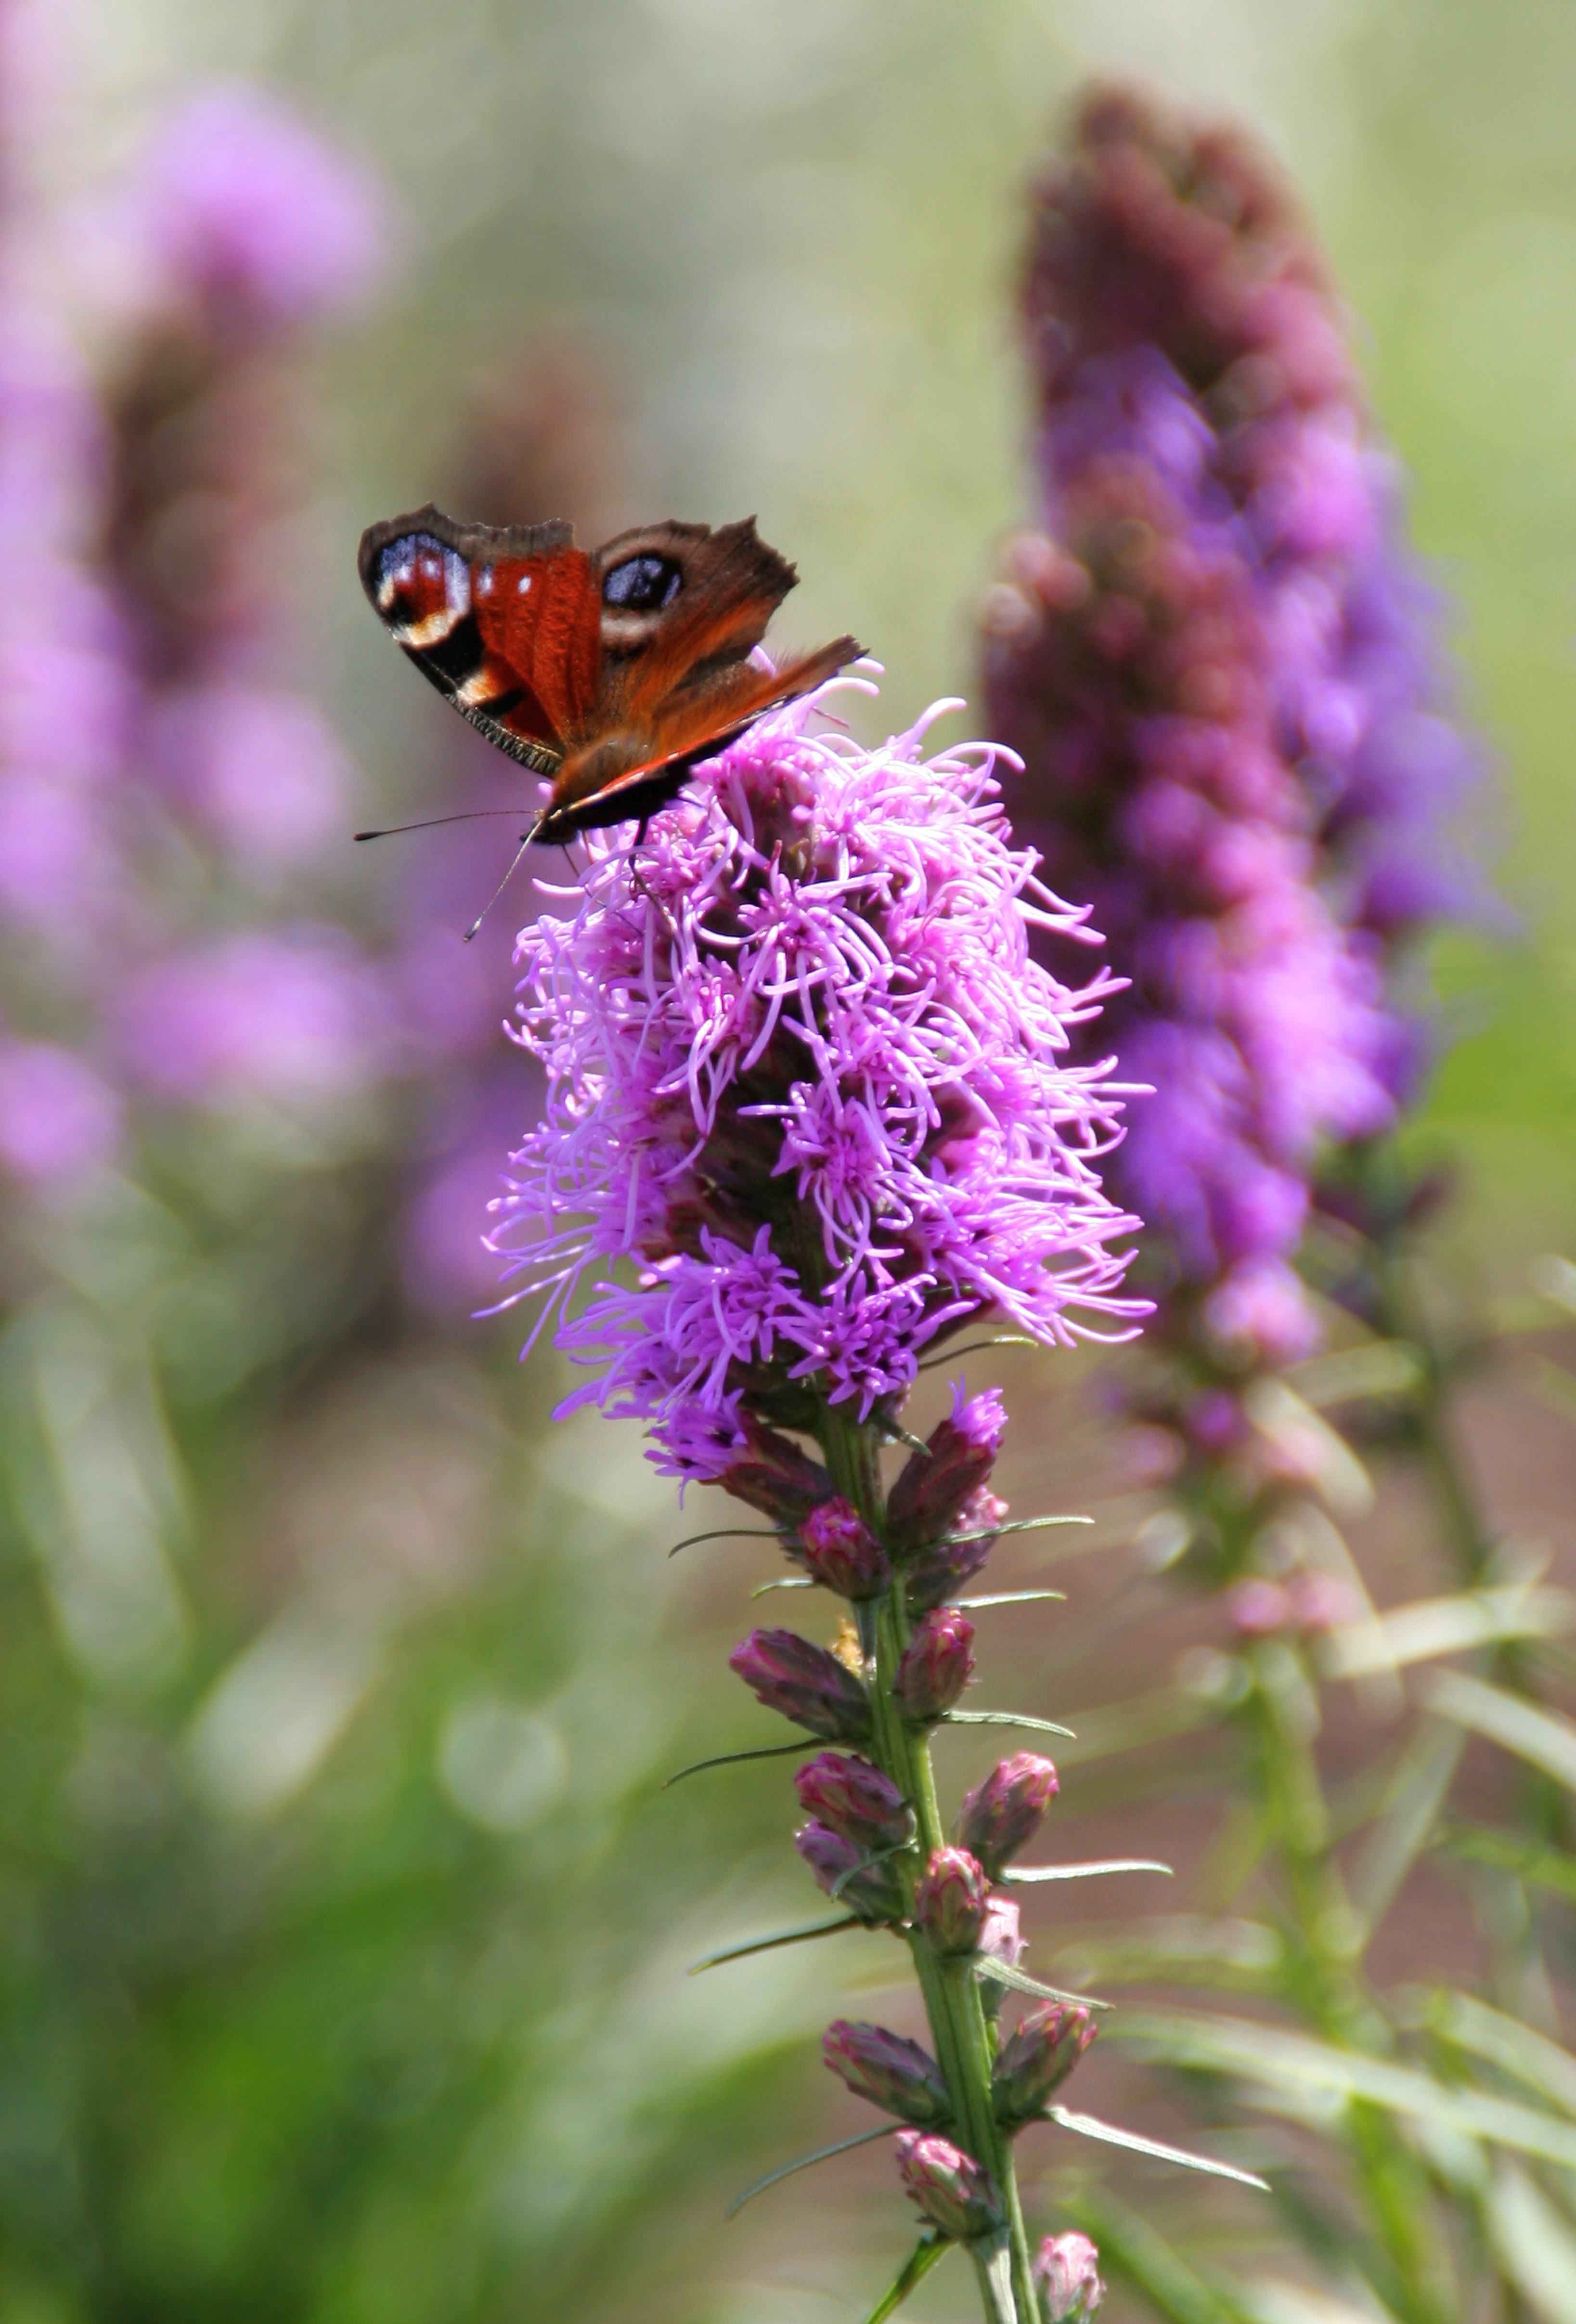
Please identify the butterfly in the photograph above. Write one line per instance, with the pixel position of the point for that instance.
(611, 671)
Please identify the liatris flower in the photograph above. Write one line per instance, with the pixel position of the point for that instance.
(841, 1554)
(951, 1900)
(804, 1683)
(888, 2070)
(1037, 2055)
(805, 1083)
(1066, 2273)
(1003, 1812)
(937, 1663)
(952, 2190)
(855, 1800)
(804, 1074)
(1216, 663)
(872, 1891)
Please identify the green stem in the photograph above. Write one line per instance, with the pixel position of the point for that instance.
(953, 2004)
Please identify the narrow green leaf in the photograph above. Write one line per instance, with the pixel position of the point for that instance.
(725, 1532)
(975, 1348)
(1431, 1627)
(733, 1758)
(924, 2256)
(1023, 1876)
(803, 2162)
(1510, 1851)
(1013, 1598)
(1542, 1738)
(1000, 1972)
(1277, 2058)
(789, 1581)
(1087, 2127)
(1529, 2058)
(1406, 1821)
(1006, 1719)
(770, 1944)
(1535, 2246)
(1017, 1524)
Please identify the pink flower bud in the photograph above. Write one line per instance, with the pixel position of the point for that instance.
(804, 1683)
(951, 1901)
(1040, 2051)
(954, 2192)
(1001, 1939)
(1067, 2274)
(840, 1552)
(871, 1892)
(854, 1800)
(891, 2073)
(1002, 1814)
(773, 1475)
(938, 1573)
(959, 1455)
(937, 1663)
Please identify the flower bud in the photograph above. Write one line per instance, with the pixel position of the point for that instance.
(955, 2193)
(959, 1455)
(872, 1892)
(891, 2073)
(937, 1663)
(841, 1553)
(804, 1683)
(1067, 2275)
(1001, 1939)
(935, 1573)
(773, 1475)
(1040, 2051)
(854, 1800)
(1002, 1814)
(951, 1901)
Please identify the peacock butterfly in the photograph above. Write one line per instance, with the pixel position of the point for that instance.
(611, 672)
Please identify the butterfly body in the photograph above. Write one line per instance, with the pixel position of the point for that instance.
(611, 671)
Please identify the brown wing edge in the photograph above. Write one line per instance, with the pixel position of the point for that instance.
(474, 542)
(643, 790)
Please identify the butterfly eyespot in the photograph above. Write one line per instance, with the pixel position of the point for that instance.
(641, 585)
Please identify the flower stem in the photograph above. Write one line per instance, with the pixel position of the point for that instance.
(953, 2004)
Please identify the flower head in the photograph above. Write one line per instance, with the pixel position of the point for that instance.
(888, 2070)
(952, 1899)
(954, 2192)
(1037, 2055)
(804, 1080)
(1003, 1812)
(855, 1800)
(1067, 2274)
(804, 1683)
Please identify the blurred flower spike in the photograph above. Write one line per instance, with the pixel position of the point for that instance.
(1219, 664)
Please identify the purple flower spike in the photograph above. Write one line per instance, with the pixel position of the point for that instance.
(1002, 1814)
(854, 1800)
(802, 1005)
(956, 2194)
(872, 1891)
(937, 1663)
(1037, 2055)
(951, 1901)
(1219, 667)
(934, 1485)
(804, 1683)
(840, 1552)
(940, 1572)
(887, 2069)
(1067, 2274)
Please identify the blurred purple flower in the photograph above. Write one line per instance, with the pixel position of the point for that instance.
(260, 769)
(803, 1074)
(59, 1120)
(1221, 672)
(244, 205)
(290, 1016)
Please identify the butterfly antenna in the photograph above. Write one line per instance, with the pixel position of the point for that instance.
(431, 822)
(525, 841)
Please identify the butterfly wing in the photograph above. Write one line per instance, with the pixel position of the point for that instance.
(505, 620)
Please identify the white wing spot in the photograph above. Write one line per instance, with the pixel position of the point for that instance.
(523, 584)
